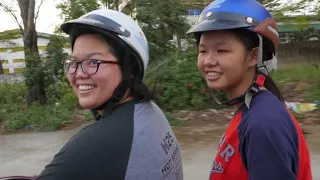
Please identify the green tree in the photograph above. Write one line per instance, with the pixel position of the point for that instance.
(279, 10)
(273, 6)
(7, 36)
(55, 55)
(72, 9)
(33, 72)
(112, 4)
(160, 20)
(56, 82)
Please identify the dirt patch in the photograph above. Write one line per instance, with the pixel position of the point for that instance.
(313, 137)
(294, 91)
(221, 116)
(206, 126)
(204, 130)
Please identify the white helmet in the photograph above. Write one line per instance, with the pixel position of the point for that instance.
(118, 24)
(125, 34)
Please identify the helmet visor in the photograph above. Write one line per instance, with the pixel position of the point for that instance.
(222, 20)
(97, 21)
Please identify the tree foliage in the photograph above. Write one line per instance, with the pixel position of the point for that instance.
(160, 20)
(33, 72)
(72, 9)
(112, 4)
(273, 6)
(7, 36)
(55, 55)
(283, 11)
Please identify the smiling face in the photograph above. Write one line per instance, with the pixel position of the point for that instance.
(225, 63)
(94, 90)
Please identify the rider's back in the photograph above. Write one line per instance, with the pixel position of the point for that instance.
(134, 142)
(262, 142)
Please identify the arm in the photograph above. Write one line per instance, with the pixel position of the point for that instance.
(270, 148)
(98, 152)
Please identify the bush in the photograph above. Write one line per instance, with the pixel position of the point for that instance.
(12, 93)
(308, 74)
(61, 92)
(7, 109)
(16, 115)
(13, 98)
(314, 92)
(177, 83)
(301, 73)
(39, 117)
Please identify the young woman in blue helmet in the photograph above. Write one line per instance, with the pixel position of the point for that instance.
(237, 41)
(131, 138)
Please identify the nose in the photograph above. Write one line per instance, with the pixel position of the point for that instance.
(210, 60)
(79, 73)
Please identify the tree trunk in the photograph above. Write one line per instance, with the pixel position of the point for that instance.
(179, 42)
(34, 78)
(1, 67)
(116, 3)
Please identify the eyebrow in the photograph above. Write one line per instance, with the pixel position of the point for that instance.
(89, 55)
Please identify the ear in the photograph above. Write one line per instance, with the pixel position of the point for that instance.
(253, 57)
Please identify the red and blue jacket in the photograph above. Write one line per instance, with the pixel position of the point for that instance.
(264, 142)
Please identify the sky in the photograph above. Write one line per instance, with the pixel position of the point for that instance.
(48, 17)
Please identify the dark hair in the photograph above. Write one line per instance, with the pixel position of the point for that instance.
(250, 40)
(138, 90)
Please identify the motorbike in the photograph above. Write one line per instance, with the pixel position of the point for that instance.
(17, 178)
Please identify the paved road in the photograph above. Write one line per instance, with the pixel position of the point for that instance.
(28, 153)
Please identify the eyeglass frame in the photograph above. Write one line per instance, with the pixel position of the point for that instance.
(82, 66)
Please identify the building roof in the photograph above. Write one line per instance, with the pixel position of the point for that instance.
(296, 26)
(15, 33)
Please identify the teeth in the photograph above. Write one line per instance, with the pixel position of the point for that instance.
(85, 87)
(213, 73)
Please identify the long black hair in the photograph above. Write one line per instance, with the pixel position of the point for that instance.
(250, 40)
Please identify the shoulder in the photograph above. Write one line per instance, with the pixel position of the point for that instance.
(267, 112)
(153, 141)
(146, 107)
(268, 134)
(148, 112)
(150, 120)
(268, 117)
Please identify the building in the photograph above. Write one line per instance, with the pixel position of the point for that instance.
(194, 9)
(12, 52)
(287, 31)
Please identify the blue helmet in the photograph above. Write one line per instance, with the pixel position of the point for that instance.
(245, 14)
(233, 14)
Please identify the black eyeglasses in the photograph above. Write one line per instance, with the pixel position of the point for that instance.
(88, 66)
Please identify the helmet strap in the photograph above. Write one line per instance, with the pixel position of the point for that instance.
(120, 91)
(258, 81)
(252, 91)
